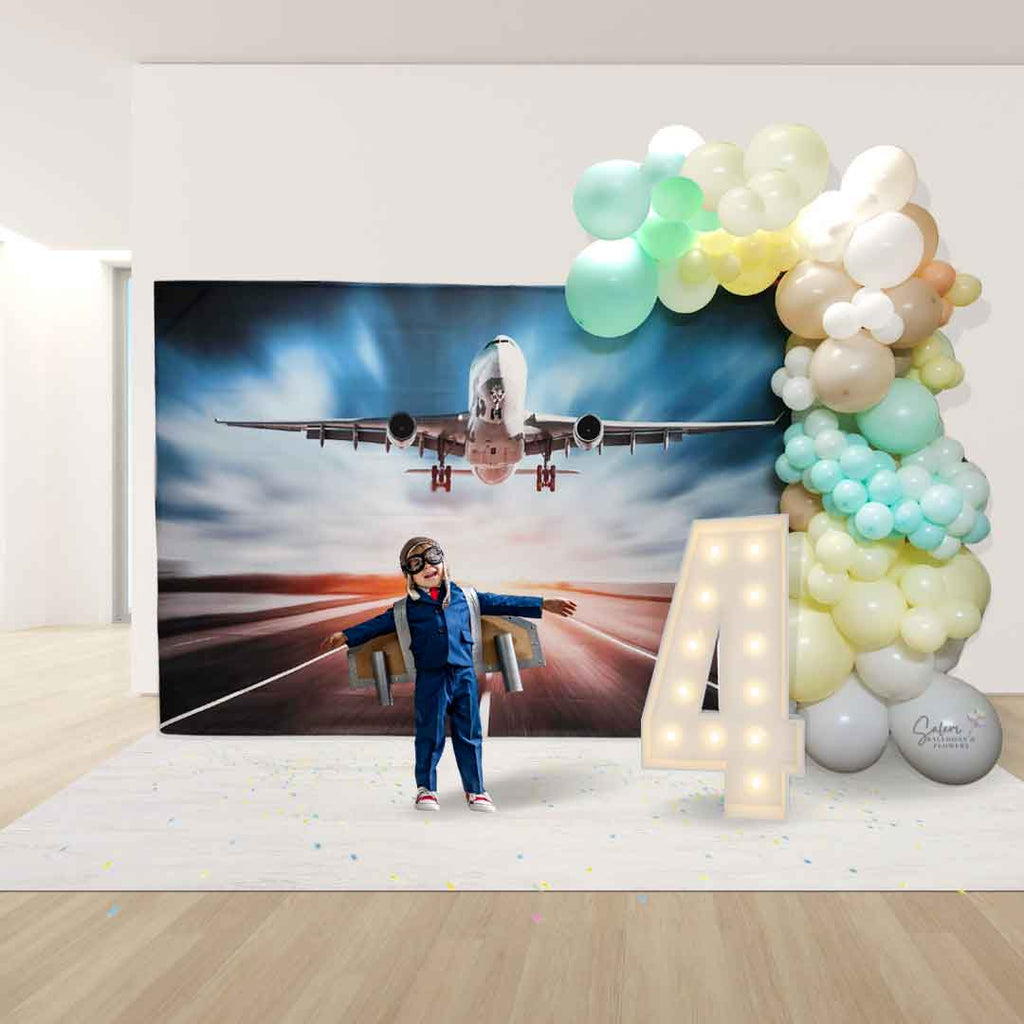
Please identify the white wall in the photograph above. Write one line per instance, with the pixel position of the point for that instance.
(465, 174)
(56, 437)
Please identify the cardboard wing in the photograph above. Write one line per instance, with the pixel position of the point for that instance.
(525, 642)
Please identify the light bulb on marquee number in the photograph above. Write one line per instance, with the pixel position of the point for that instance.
(742, 601)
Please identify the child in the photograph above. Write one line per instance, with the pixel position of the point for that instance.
(436, 626)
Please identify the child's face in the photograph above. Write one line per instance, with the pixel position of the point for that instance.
(430, 575)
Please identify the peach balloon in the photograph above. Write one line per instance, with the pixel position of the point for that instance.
(947, 312)
(941, 276)
(800, 505)
(919, 305)
(926, 222)
(853, 374)
(806, 291)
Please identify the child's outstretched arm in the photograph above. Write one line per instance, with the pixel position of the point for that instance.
(527, 607)
(355, 636)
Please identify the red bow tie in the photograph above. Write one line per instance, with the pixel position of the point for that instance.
(435, 593)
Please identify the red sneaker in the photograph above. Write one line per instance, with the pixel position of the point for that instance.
(480, 802)
(426, 800)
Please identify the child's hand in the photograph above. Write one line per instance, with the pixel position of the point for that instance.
(334, 640)
(567, 609)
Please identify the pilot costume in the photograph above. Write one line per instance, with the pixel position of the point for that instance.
(439, 632)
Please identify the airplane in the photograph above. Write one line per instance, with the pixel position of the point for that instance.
(497, 431)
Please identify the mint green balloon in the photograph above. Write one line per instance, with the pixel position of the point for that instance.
(904, 421)
(677, 198)
(612, 198)
(612, 287)
(665, 239)
(705, 220)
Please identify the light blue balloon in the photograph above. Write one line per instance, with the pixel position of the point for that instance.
(793, 430)
(807, 481)
(800, 452)
(884, 486)
(786, 471)
(904, 421)
(874, 520)
(612, 288)
(927, 536)
(856, 439)
(907, 516)
(829, 505)
(611, 199)
(941, 504)
(981, 529)
(849, 495)
(851, 529)
(884, 461)
(825, 474)
(856, 462)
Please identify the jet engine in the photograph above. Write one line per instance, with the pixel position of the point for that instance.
(588, 432)
(401, 430)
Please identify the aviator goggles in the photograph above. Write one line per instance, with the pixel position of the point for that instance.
(415, 563)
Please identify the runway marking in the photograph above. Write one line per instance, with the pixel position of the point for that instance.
(622, 643)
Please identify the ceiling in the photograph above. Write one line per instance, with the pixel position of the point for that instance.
(65, 67)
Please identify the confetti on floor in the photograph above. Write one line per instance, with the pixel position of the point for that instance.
(114, 910)
(536, 918)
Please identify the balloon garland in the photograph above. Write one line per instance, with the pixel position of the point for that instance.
(882, 505)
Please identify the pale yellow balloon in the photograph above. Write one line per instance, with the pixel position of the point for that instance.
(940, 373)
(694, 265)
(967, 579)
(806, 291)
(853, 374)
(923, 630)
(835, 550)
(716, 243)
(922, 584)
(753, 281)
(716, 167)
(966, 289)
(800, 559)
(871, 562)
(826, 587)
(819, 658)
(820, 523)
(930, 348)
(869, 614)
(794, 148)
(961, 619)
(795, 341)
(726, 267)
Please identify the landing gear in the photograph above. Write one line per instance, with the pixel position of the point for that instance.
(441, 478)
(546, 476)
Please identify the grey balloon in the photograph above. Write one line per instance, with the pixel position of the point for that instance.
(847, 731)
(947, 656)
(951, 733)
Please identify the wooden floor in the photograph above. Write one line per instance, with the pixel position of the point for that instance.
(480, 957)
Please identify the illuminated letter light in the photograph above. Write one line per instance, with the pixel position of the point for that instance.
(733, 584)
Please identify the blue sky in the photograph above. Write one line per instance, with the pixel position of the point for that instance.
(233, 500)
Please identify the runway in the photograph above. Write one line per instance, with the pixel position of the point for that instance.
(267, 676)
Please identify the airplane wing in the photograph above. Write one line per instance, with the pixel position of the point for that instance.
(429, 432)
(555, 433)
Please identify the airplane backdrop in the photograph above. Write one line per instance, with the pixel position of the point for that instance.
(269, 539)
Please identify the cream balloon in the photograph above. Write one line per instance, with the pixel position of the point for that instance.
(806, 291)
(799, 559)
(869, 614)
(823, 228)
(780, 196)
(819, 658)
(835, 549)
(880, 179)
(884, 251)
(895, 672)
(794, 148)
(741, 211)
(853, 374)
(716, 167)
(680, 295)
(923, 629)
(967, 579)
(826, 587)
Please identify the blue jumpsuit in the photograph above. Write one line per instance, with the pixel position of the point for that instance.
(442, 647)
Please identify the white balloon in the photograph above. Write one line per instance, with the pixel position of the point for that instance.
(948, 450)
(895, 672)
(947, 657)
(973, 485)
(798, 393)
(884, 251)
(847, 731)
(964, 523)
(914, 481)
(951, 733)
(841, 320)
(946, 548)
(825, 225)
(779, 379)
(668, 149)
(741, 211)
(874, 306)
(819, 419)
(683, 296)
(780, 193)
(891, 331)
(798, 360)
(881, 178)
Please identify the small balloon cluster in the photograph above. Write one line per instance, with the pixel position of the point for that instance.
(883, 591)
